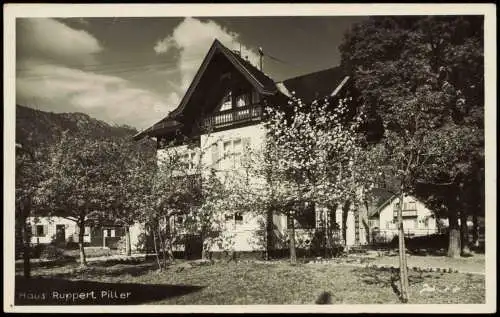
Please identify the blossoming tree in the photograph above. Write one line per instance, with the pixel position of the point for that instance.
(309, 158)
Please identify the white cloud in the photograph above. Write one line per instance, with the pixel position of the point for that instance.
(53, 40)
(112, 99)
(193, 38)
(46, 51)
(162, 46)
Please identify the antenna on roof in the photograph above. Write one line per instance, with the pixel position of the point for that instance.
(261, 54)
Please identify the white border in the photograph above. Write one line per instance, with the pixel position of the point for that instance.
(11, 11)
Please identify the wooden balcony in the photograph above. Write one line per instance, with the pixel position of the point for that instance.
(234, 116)
(407, 213)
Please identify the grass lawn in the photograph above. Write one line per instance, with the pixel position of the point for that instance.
(256, 283)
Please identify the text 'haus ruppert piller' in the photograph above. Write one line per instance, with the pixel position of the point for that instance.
(229, 94)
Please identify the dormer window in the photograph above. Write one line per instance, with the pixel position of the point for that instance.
(226, 103)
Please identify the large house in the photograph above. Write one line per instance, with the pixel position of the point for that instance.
(228, 95)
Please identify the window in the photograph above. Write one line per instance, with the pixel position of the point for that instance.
(226, 147)
(233, 151)
(234, 218)
(40, 231)
(109, 232)
(396, 206)
(238, 217)
(237, 151)
(226, 102)
(189, 160)
(243, 100)
(412, 205)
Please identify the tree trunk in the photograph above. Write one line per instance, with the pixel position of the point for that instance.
(475, 231)
(403, 267)
(464, 235)
(204, 253)
(169, 239)
(81, 245)
(291, 234)
(269, 233)
(162, 245)
(204, 247)
(128, 247)
(454, 243)
(345, 213)
(156, 250)
(332, 225)
(26, 248)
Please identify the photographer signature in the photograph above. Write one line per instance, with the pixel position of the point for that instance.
(430, 289)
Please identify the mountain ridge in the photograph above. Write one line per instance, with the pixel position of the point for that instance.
(35, 127)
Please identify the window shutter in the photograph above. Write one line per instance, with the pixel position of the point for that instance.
(45, 230)
(215, 155)
(33, 230)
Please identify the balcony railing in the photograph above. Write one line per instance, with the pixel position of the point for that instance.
(234, 116)
(406, 213)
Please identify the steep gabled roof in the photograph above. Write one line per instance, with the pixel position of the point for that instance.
(380, 199)
(258, 79)
(262, 83)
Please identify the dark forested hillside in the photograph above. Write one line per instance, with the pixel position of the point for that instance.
(36, 126)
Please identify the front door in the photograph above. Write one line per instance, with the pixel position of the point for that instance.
(60, 233)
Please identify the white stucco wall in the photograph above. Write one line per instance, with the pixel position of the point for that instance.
(50, 224)
(135, 231)
(243, 236)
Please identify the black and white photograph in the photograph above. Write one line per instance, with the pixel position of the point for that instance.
(250, 158)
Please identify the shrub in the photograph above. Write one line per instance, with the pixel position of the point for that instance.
(51, 252)
(121, 245)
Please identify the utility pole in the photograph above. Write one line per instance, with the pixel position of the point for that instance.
(261, 54)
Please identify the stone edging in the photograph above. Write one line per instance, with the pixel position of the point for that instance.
(392, 267)
(414, 268)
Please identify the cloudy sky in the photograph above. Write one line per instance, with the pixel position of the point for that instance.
(135, 70)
